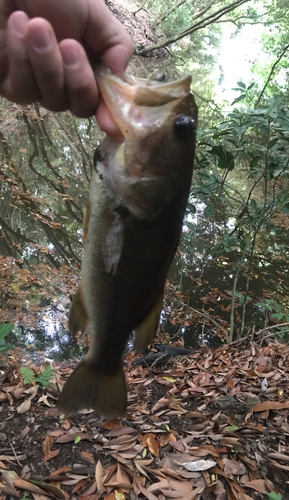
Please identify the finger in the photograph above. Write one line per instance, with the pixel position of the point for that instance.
(112, 43)
(20, 85)
(46, 62)
(81, 87)
(105, 120)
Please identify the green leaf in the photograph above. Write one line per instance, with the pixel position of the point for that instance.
(218, 151)
(5, 347)
(232, 428)
(77, 439)
(5, 328)
(272, 142)
(190, 225)
(44, 377)
(241, 84)
(240, 98)
(253, 204)
(285, 208)
(192, 209)
(274, 496)
(254, 162)
(209, 210)
(277, 315)
(27, 375)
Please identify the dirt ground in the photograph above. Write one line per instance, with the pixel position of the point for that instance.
(212, 425)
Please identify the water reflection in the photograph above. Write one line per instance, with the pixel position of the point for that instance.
(50, 338)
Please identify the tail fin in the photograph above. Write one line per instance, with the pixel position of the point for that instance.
(88, 388)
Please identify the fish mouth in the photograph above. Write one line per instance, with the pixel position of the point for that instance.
(128, 100)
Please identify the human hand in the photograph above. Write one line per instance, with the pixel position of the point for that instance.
(44, 51)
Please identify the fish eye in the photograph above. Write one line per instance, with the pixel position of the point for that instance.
(183, 127)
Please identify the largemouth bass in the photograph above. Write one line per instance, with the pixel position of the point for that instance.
(138, 193)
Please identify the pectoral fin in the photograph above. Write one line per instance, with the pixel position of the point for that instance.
(145, 332)
(78, 318)
(113, 242)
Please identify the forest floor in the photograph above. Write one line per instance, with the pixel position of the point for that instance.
(213, 425)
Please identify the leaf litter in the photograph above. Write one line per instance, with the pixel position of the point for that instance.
(204, 426)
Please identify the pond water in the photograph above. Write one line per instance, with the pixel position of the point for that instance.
(209, 294)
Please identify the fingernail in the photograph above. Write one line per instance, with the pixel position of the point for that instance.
(70, 55)
(19, 21)
(40, 38)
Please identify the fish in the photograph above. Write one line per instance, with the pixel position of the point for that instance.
(139, 188)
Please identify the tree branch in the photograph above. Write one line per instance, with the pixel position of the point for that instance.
(212, 18)
(271, 74)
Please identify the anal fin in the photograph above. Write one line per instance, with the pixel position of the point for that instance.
(145, 332)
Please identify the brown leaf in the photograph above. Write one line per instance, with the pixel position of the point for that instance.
(194, 414)
(257, 485)
(151, 441)
(113, 424)
(90, 497)
(37, 496)
(166, 438)
(87, 456)
(26, 485)
(70, 436)
(147, 494)
(234, 467)
(98, 475)
(25, 406)
(271, 405)
(46, 447)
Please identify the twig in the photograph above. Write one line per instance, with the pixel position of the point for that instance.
(205, 315)
(140, 8)
(272, 326)
(157, 360)
(14, 453)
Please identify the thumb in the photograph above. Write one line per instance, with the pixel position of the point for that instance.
(107, 38)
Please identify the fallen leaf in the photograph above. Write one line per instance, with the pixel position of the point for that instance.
(113, 424)
(234, 467)
(46, 447)
(151, 441)
(257, 485)
(87, 456)
(25, 406)
(199, 465)
(271, 405)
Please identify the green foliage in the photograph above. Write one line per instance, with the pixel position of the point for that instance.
(268, 306)
(77, 439)
(43, 378)
(5, 328)
(274, 496)
(241, 177)
(27, 375)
